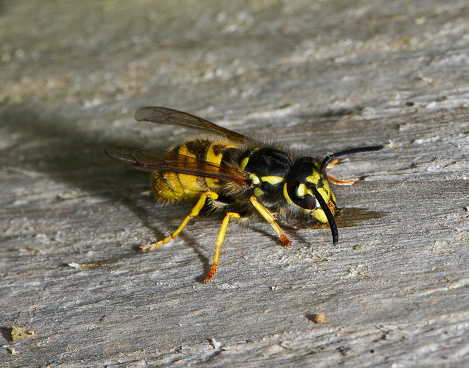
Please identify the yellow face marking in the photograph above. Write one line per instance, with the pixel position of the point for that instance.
(285, 193)
(314, 178)
(320, 215)
(272, 179)
(324, 194)
(302, 190)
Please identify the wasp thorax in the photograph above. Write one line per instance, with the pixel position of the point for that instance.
(267, 161)
(267, 167)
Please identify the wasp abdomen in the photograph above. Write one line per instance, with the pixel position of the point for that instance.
(173, 186)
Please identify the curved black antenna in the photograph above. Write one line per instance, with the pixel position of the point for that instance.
(329, 215)
(349, 151)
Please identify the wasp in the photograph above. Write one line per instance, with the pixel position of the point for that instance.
(235, 175)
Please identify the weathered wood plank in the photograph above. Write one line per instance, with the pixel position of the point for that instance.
(316, 75)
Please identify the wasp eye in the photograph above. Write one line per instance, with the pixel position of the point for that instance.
(296, 192)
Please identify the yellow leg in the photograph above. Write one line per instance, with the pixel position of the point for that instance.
(333, 163)
(338, 181)
(341, 182)
(220, 238)
(194, 212)
(269, 217)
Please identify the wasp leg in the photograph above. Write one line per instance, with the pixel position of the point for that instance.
(341, 182)
(220, 238)
(338, 181)
(269, 217)
(333, 163)
(194, 212)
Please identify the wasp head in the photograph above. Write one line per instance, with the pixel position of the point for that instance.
(307, 187)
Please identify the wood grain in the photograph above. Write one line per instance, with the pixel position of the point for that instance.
(318, 76)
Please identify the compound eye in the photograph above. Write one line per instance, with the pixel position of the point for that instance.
(299, 197)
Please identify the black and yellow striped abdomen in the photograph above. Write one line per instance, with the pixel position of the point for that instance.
(173, 186)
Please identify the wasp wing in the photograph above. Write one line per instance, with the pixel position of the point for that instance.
(159, 160)
(163, 115)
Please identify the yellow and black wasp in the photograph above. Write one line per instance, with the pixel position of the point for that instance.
(235, 175)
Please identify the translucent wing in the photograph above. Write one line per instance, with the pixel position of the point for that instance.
(162, 115)
(159, 160)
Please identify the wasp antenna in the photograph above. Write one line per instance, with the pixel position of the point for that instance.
(349, 151)
(329, 215)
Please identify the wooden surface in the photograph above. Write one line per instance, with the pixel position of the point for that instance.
(321, 76)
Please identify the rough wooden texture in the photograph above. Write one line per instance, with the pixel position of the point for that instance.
(319, 75)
